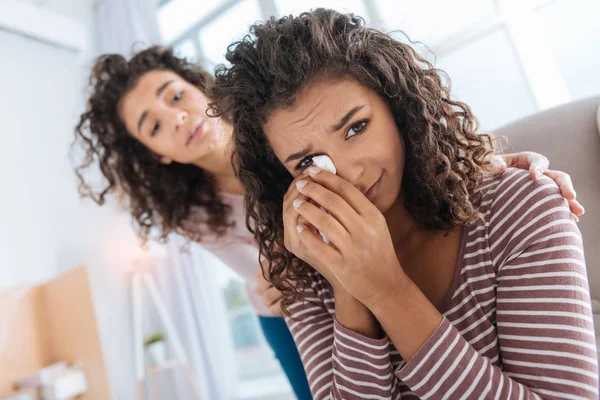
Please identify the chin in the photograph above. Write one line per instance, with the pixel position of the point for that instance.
(387, 199)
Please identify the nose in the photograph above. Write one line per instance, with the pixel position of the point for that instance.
(181, 117)
(349, 168)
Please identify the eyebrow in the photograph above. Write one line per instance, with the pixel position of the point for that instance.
(346, 118)
(300, 154)
(336, 127)
(159, 91)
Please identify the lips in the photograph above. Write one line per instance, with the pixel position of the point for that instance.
(372, 190)
(197, 130)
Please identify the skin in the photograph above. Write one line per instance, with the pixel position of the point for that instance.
(173, 112)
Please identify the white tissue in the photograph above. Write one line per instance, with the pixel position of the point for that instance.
(324, 163)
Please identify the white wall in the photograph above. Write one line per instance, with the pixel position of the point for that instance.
(45, 229)
(75, 10)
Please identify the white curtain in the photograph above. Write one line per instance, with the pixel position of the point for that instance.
(126, 26)
(196, 305)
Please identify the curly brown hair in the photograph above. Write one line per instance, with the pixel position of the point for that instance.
(158, 195)
(446, 159)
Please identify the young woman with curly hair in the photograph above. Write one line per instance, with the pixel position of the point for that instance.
(445, 277)
(146, 127)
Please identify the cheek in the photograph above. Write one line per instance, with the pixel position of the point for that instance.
(158, 147)
(389, 149)
(395, 148)
(196, 101)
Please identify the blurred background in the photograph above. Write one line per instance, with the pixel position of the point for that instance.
(506, 58)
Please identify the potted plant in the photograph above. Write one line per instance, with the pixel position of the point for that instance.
(157, 348)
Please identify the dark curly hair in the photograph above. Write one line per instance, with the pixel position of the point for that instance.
(158, 195)
(446, 160)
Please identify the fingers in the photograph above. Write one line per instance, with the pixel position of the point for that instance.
(563, 180)
(341, 187)
(270, 296)
(499, 162)
(276, 310)
(324, 222)
(321, 256)
(576, 209)
(538, 164)
(565, 185)
(290, 216)
(525, 159)
(262, 284)
(342, 212)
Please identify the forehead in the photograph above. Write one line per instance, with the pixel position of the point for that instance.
(317, 108)
(148, 83)
(142, 94)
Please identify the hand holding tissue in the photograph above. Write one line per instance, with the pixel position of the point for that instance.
(326, 164)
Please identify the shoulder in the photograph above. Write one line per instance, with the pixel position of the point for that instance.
(513, 196)
(519, 210)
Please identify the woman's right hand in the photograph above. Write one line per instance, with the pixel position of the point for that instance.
(349, 311)
(291, 219)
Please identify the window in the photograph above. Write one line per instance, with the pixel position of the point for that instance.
(175, 17)
(295, 7)
(187, 49)
(259, 373)
(235, 21)
(470, 68)
(573, 33)
(432, 21)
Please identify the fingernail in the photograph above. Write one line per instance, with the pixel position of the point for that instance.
(582, 210)
(575, 218)
(313, 170)
(297, 203)
(301, 184)
(300, 228)
(538, 173)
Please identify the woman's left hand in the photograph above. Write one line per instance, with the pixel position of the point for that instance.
(362, 256)
(269, 295)
(537, 165)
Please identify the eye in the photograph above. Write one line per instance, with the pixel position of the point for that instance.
(155, 129)
(306, 161)
(356, 128)
(177, 97)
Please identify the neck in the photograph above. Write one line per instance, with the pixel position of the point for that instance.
(407, 235)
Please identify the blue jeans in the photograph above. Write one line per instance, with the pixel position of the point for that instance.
(280, 339)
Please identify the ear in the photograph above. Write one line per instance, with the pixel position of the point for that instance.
(165, 160)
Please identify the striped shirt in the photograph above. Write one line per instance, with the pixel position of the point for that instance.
(517, 320)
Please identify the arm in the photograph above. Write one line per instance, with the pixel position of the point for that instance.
(544, 322)
(340, 363)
